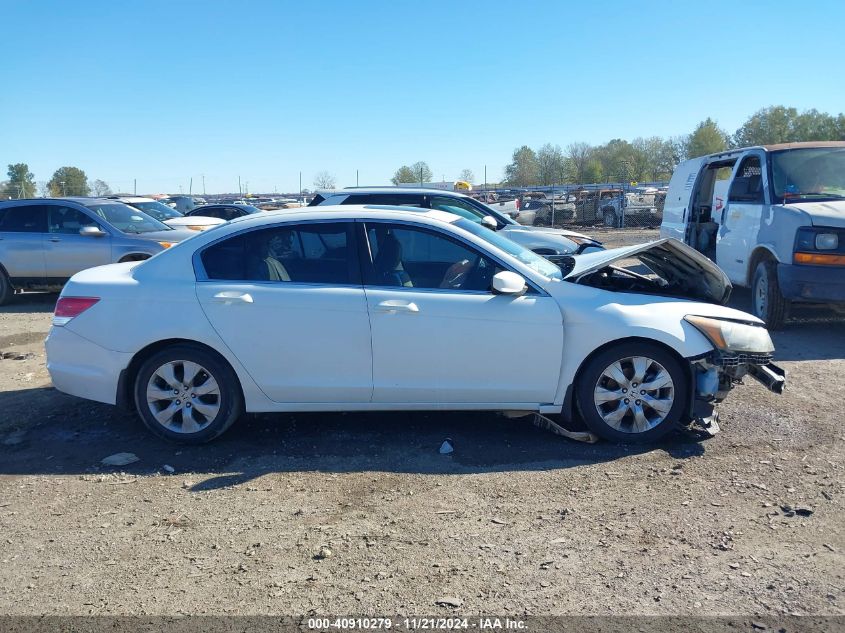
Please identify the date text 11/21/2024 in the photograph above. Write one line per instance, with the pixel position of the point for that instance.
(416, 623)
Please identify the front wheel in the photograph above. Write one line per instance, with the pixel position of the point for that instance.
(767, 302)
(609, 218)
(632, 393)
(188, 395)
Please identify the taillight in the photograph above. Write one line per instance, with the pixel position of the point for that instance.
(68, 308)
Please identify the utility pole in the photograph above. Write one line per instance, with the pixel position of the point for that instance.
(421, 182)
(135, 187)
(486, 194)
(240, 192)
(356, 177)
(64, 189)
(191, 187)
(203, 184)
(300, 186)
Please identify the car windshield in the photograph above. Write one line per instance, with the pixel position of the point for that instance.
(527, 257)
(813, 173)
(125, 218)
(159, 211)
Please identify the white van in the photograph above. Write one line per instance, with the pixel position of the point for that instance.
(772, 217)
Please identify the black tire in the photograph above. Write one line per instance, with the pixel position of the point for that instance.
(591, 374)
(228, 400)
(6, 289)
(609, 218)
(767, 301)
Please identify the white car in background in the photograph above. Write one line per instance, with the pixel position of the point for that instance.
(360, 308)
(168, 215)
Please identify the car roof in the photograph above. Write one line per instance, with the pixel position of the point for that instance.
(389, 190)
(131, 198)
(346, 212)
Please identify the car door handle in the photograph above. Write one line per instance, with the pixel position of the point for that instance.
(397, 305)
(229, 297)
(55, 239)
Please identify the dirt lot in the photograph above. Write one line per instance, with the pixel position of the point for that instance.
(515, 521)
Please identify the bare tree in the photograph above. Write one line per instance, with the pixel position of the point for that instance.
(467, 176)
(579, 155)
(100, 188)
(324, 180)
(43, 189)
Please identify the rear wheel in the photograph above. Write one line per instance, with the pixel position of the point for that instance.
(6, 289)
(610, 218)
(632, 392)
(188, 395)
(767, 302)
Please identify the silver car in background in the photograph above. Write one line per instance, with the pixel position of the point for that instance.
(44, 242)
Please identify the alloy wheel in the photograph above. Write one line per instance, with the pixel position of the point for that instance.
(183, 396)
(634, 394)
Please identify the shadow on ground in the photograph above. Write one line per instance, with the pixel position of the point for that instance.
(76, 436)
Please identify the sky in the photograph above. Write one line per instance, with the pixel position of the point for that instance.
(170, 93)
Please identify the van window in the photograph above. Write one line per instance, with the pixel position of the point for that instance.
(747, 186)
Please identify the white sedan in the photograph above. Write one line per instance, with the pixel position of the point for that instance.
(362, 308)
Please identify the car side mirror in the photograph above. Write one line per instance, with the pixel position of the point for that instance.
(92, 231)
(490, 222)
(508, 283)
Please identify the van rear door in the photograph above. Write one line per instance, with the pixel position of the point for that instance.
(676, 212)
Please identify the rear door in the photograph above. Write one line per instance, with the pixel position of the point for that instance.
(439, 334)
(677, 208)
(66, 252)
(22, 230)
(288, 301)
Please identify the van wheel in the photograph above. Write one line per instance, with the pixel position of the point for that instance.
(609, 218)
(632, 393)
(188, 395)
(767, 302)
(6, 289)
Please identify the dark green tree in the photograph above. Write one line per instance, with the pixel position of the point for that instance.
(21, 182)
(69, 181)
(707, 138)
(422, 172)
(523, 171)
(404, 175)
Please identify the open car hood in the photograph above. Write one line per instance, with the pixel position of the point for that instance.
(683, 272)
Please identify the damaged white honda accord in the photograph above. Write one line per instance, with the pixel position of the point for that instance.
(363, 308)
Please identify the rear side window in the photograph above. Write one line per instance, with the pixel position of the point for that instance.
(320, 253)
(747, 186)
(25, 219)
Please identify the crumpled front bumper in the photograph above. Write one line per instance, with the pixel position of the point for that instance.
(716, 373)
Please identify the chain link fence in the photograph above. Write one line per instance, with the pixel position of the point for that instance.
(608, 206)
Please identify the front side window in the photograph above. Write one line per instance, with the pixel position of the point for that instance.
(414, 257)
(456, 206)
(318, 253)
(747, 185)
(385, 199)
(127, 219)
(67, 220)
(25, 219)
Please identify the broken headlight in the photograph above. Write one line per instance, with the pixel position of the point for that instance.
(732, 336)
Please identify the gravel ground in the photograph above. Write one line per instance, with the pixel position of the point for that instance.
(360, 514)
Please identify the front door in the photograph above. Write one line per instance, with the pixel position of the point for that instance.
(740, 219)
(66, 252)
(441, 336)
(288, 301)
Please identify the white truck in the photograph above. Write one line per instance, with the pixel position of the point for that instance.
(772, 217)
